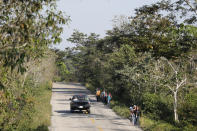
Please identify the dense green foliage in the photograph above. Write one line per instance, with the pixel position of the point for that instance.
(27, 29)
(149, 61)
(64, 67)
(24, 102)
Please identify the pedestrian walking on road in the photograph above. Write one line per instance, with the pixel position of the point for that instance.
(98, 93)
(131, 113)
(105, 98)
(134, 115)
(138, 114)
(109, 97)
(102, 95)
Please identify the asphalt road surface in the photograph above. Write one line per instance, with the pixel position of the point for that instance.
(101, 118)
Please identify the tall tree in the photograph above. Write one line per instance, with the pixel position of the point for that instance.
(27, 28)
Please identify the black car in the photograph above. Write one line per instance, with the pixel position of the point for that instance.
(80, 103)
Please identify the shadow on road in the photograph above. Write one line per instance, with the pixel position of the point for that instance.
(70, 91)
(62, 99)
(63, 111)
(70, 84)
(76, 114)
(81, 114)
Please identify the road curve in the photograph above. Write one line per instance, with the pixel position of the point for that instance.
(101, 117)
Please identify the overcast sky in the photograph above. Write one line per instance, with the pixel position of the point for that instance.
(95, 15)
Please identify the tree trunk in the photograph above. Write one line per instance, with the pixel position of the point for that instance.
(25, 75)
(155, 89)
(175, 107)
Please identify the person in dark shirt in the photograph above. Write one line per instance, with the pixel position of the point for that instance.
(105, 98)
(134, 115)
(137, 115)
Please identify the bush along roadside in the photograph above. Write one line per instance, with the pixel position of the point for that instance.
(29, 111)
(146, 123)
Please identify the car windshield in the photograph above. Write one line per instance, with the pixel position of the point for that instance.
(80, 97)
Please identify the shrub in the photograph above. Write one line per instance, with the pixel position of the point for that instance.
(57, 79)
(120, 109)
(29, 111)
(188, 109)
(148, 124)
(190, 127)
(90, 87)
(156, 108)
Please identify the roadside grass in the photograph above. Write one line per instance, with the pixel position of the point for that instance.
(151, 125)
(120, 109)
(146, 123)
(57, 78)
(41, 117)
(38, 117)
(32, 112)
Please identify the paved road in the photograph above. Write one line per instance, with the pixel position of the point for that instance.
(101, 117)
